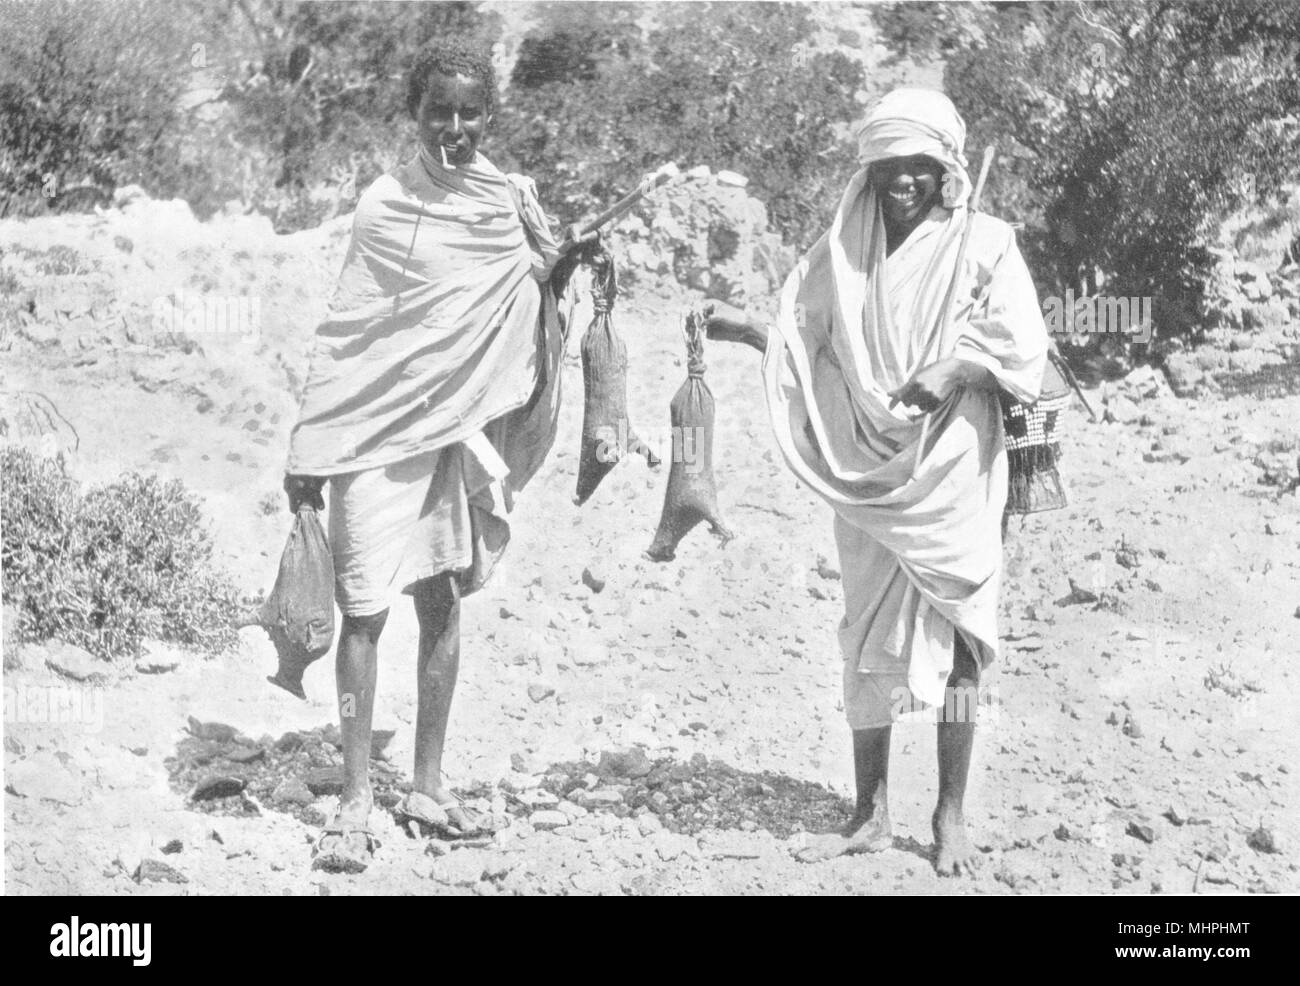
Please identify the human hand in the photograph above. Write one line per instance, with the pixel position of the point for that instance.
(304, 490)
(931, 385)
(575, 239)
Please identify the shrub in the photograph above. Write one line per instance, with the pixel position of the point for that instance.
(730, 85)
(1127, 131)
(107, 568)
(87, 97)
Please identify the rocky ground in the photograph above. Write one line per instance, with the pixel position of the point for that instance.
(660, 728)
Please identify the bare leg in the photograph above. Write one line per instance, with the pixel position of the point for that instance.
(953, 853)
(437, 606)
(355, 672)
(869, 829)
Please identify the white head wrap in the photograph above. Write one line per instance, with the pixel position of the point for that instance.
(911, 121)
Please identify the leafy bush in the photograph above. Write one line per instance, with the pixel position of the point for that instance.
(87, 97)
(730, 85)
(110, 567)
(1127, 131)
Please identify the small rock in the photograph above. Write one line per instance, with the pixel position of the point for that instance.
(172, 847)
(292, 791)
(539, 692)
(325, 781)
(601, 796)
(1131, 728)
(245, 754)
(1175, 817)
(214, 732)
(625, 763)
(648, 824)
(571, 809)
(288, 742)
(157, 872)
(217, 786)
(523, 763)
(538, 799)
(546, 821)
(592, 581)
(75, 663)
(146, 665)
(1144, 833)
(43, 776)
(1262, 840)
(826, 570)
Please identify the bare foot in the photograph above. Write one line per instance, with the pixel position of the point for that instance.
(953, 853)
(872, 834)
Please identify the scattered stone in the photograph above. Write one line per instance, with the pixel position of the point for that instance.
(325, 781)
(147, 665)
(217, 786)
(1131, 728)
(547, 821)
(571, 808)
(592, 581)
(1144, 833)
(539, 692)
(626, 763)
(598, 798)
(172, 847)
(817, 593)
(213, 732)
(76, 663)
(1175, 817)
(289, 742)
(523, 763)
(44, 777)
(292, 791)
(1262, 840)
(826, 570)
(538, 799)
(245, 754)
(156, 871)
(648, 824)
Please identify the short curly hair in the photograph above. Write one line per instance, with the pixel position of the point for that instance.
(450, 56)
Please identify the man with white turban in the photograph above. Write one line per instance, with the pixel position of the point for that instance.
(857, 360)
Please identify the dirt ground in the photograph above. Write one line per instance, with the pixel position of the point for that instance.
(1142, 731)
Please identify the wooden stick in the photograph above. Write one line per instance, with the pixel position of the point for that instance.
(1063, 368)
(951, 297)
(624, 205)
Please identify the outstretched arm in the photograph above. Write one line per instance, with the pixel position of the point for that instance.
(726, 324)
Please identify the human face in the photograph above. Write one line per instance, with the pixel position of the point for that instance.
(907, 187)
(452, 117)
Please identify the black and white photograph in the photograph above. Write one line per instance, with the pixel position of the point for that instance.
(656, 448)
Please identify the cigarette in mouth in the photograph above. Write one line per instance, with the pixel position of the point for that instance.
(445, 162)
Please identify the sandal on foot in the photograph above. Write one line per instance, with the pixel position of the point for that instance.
(439, 819)
(344, 848)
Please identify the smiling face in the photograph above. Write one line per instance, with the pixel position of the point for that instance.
(452, 117)
(907, 187)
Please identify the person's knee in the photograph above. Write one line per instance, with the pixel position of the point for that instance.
(965, 668)
(369, 627)
(436, 600)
